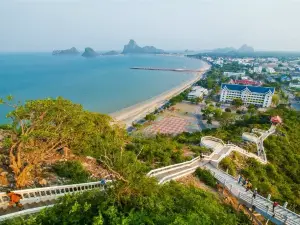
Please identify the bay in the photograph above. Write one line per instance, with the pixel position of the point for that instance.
(103, 84)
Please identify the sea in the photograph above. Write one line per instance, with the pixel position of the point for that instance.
(103, 84)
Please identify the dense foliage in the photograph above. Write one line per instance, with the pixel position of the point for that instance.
(151, 204)
(280, 177)
(206, 177)
(40, 128)
(156, 151)
(72, 170)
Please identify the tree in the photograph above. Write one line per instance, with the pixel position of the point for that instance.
(251, 109)
(226, 119)
(275, 99)
(209, 120)
(217, 113)
(150, 117)
(237, 102)
(42, 127)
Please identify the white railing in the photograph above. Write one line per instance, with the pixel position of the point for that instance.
(178, 175)
(171, 167)
(37, 195)
(211, 138)
(23, 213)
(260, 131)
(280, 216)
(250, 137)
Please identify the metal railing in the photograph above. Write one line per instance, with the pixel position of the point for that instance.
(280, 215)
(171, 167)
(37, 195)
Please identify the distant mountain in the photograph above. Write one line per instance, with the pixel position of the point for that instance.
(243, 49)
(224, 50)
(246, 48)
(71, 51)
(111, 53)
(133, 48)
(89, 53)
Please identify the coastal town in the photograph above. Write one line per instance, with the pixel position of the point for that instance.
(231, 88)
(143, 112)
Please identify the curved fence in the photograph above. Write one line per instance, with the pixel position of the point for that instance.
(262, 205)
(171, 167)
(38, 195)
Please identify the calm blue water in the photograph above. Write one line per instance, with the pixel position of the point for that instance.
(103, 84)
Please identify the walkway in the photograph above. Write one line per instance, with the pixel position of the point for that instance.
(37, 199)
(263, 206)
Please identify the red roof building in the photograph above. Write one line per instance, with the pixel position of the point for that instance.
(276, 119)
(247, 82)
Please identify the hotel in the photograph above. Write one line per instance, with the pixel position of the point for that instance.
(260, 96)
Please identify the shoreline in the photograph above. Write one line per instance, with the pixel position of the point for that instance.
(138, 111)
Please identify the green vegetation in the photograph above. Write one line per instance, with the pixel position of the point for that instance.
(179, 98)
(40, 128)
(280, 177)
(237, 102)
(157, 151)
(73, 170)
(146, 203)
(206, 177)
(150, 117)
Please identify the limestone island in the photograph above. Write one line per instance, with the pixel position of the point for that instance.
(111, 53)
(71, 51)
(89, 53)
(133, 48)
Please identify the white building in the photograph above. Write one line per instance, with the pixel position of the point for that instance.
(260, 96)
(294, 85)
(257, 69)
(296, 78)
(231, 74)
(197, 92)
(270, 70)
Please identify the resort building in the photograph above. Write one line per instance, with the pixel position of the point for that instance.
(260, 96)
(270, 70)
(233, 74)
(246, 82)
(257, 69)
(294, 85)
(197, 92)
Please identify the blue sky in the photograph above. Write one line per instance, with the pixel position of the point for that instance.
(44, 25)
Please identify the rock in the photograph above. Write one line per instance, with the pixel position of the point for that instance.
(71, 51)
(246, 48)
(111, 53)
(89, 53)
(4, 174)
(90, 158)
(43, 182)
(133, 48)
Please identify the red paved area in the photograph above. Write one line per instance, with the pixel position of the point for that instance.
(168, 125)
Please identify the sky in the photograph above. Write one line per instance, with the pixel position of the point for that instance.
(45, 25)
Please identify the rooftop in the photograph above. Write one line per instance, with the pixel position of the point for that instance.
(237, 87)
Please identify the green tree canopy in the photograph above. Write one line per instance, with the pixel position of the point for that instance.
(41, 127)
(237, 102)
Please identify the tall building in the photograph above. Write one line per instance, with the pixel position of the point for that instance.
(260, 96)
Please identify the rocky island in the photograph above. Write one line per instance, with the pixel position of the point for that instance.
(89, 53)
(71, 51)
(133, 48)
(246, 48)
(111, 53)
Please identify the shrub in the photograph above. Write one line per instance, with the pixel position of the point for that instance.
(227, 110)
(72, 170)
(150, 117)
(206, 177)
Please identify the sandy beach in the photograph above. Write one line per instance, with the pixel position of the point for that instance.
(138, 111)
